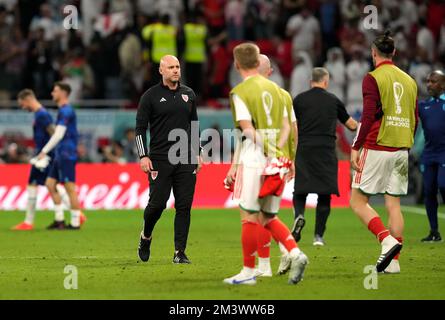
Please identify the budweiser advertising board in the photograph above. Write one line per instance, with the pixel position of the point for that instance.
(114, 186)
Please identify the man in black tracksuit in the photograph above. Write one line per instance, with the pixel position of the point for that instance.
(169, 109)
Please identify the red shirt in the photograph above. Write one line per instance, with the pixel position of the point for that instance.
(372, 116)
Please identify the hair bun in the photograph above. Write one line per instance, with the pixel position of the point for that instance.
(387, 34)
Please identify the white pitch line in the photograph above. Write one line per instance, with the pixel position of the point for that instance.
(421, 211)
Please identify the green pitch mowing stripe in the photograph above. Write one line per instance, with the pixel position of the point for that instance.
(104, 252)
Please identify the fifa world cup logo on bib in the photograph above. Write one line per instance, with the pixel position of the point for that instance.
(398, 93)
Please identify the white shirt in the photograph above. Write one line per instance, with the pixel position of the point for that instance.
(306, 29)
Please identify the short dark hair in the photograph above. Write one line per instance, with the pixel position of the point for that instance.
(25, 93)
(63, 86)
(318, 74)
(384, 44)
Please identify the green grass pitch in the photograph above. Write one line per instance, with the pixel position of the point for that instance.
(104, 253)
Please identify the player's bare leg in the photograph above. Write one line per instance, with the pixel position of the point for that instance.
(360, 205)
(30, 210)
(70, 188)
(63, 196)
(390, 245)
(59, 221)
(396, 226)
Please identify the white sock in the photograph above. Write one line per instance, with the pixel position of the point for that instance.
(58, 208)
(248, 271)
(263, 263)
(295, 252)
(75, 218)
(64, 195)
(282, 248)
(31, 204)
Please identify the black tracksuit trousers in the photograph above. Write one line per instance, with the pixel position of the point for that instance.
(165, 177)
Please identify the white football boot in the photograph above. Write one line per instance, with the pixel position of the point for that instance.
(390, 248)
(284, 266)
(393, 267)
(244, 277)
(297, 267)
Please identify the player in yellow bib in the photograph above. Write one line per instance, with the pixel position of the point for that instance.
(379, 152)
(289, 149)
(259, 113)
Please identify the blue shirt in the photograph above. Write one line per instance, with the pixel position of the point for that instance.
(42, 119)
(67, 147)
(432, 115)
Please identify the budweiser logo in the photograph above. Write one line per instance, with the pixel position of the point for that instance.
(124, 194)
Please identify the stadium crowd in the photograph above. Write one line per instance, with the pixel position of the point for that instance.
(112, 51)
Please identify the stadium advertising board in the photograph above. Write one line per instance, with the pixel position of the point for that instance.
(114, 186)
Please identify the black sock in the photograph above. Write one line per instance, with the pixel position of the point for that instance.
(322, 213)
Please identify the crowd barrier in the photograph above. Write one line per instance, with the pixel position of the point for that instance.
(114, 186)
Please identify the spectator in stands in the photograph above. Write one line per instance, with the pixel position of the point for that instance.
(15, 60)
(301, 74)
(82, 153)
(173, 8)
(425, 40)
(40, 60)
(351, 37)
(79, 75)
(329, 23)
(15, 153)
(129, 146)
(337, 71)
(234, 12)
(132, 71)
(160, 38)
(304, 29)
(45, 22)
(5, 23)
(419, 70)
(356, 69)
(114, 153)
(195, 52)
(218, 69)
(213, 11)
(108, 35)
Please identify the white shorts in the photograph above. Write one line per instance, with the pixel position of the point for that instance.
(383, 172)
(248, 183)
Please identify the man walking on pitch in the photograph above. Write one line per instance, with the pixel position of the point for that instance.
(43, 128)
(165, 107)
(316, 164)
(258, 111)
(63, 167)
(432, 115)
(386, 133)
